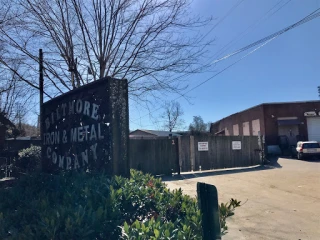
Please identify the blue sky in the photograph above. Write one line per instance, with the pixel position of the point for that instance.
(286, 69)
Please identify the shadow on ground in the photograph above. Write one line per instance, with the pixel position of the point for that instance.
(273, 164)
(307, 159)
(317, 160)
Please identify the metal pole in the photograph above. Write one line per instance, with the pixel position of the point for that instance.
(41, 82)
(40, 87)
(41, 94)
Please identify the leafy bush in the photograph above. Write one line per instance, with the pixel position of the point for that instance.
(156, 229)
(160, 212)
(227, 210)
(95, 206)
(29, 159)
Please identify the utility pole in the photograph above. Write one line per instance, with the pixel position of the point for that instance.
(1, 99)
(41, 87)
(319, 91)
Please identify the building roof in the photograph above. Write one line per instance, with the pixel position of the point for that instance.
(272, 103)
(157, 133)
(28, 138)
(265, 104)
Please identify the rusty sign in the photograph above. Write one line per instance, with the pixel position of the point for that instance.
(87, 128)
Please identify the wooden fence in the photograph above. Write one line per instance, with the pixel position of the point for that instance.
(155, 156)
(220, 153)
(164, 156)
(17, 145)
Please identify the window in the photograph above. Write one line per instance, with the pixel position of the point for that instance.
(311, 145)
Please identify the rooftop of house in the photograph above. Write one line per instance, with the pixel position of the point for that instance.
(27, 138)
(156, 133)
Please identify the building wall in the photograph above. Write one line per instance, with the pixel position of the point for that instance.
(256, 127)
(237, 123)
(246, 128)
(266, 118)
(274, 111)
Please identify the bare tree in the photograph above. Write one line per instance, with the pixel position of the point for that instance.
(14, 70)
(149, 42)
(28, 130)
(198, 125)
(14, 94)
(172, 116)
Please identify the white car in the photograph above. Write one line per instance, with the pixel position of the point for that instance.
(308, 149)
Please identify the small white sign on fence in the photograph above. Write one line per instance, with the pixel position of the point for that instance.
(203, 146)
(236, 145)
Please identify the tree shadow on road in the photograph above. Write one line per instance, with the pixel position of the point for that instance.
(273, 164)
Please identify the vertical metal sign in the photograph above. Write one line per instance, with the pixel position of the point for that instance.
(87, 128)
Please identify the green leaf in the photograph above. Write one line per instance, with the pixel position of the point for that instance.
(126, 227)
(137, 224)
(143, 227)
(156, 233)
(167, 233)
(92, 206)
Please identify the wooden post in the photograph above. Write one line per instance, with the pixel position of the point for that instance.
(260, 146)
(192, 153)
(208, 204)
(263, 140)
(178, 147)
(181, 163)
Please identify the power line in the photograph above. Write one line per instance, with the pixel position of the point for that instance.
(222, 50)
(223, 18)
(251, 27)
(280, 8)
(306, 19)
(263, 42)
(208, 79)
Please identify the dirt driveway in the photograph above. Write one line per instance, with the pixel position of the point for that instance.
(280, 202)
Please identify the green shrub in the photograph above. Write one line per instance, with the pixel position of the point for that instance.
(155, 209)
(227, 210)
(95, 206)
(29, 159)
(157, 229)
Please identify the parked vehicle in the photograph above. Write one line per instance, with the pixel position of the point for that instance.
(307, 149)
